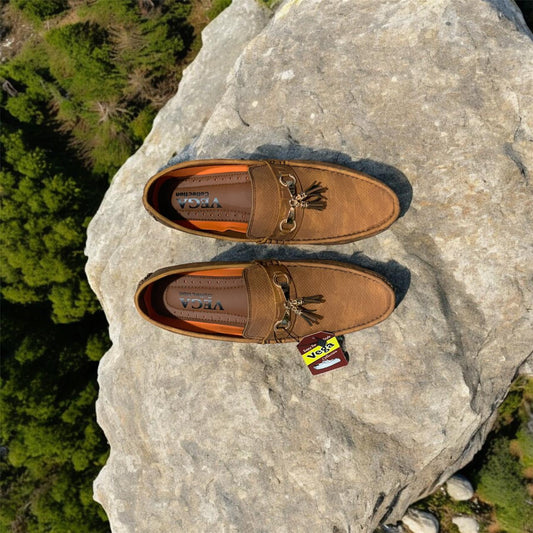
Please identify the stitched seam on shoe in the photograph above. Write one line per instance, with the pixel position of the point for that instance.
(216, 177)
(236, 281)
(205, 288)
(222, 211)
(227, 317)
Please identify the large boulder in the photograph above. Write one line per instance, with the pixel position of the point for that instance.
(435, 99)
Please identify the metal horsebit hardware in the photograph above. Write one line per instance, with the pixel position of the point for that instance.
(296, 305)
(311, 198)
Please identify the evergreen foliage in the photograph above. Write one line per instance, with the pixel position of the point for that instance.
(52, 444)
(38, 10)
(500, 482)
(97, 74)
(44, 216)
(82, 96)
(502, 479)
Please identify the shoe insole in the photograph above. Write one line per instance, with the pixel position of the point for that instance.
(211, 300)
(219, 201)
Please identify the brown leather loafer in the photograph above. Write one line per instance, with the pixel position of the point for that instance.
(282, 202)
(264, 301)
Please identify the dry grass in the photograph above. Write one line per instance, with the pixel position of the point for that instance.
(528, 472)
(198, 17)
(198, 20)
(515, 450)
(15, 30)
(125, 39)
(109, 110)
(494, 527)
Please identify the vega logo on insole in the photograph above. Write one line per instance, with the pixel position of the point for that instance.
(192, 200)
(200, 301)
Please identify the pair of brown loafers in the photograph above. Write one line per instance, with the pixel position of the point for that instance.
(279, 202)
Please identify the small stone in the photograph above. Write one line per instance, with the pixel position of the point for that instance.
(466, 524)
(459, 488)
(420, 521)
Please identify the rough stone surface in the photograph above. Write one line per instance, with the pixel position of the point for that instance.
(466, 524)
(435, 98)
(459, 488)
(420, 522)
(527, 368)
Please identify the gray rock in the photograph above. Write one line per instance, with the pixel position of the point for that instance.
(436, 100)
(459, 488)
(420, 522)
(466, 524)
(527, 368)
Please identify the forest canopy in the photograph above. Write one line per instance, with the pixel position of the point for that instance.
(77, 99)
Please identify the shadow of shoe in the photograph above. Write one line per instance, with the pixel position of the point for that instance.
(397, 275)
(389, 175)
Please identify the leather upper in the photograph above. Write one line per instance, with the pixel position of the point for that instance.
(264, 301)
(269, 200)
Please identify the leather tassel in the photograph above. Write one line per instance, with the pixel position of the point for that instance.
(315, 190)
(310, 316)
(318, 205)
(316, 299)
(312, 197)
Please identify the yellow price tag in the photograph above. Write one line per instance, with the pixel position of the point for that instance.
(313, 355)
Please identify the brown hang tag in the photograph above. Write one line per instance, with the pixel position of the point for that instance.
(322, 352)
